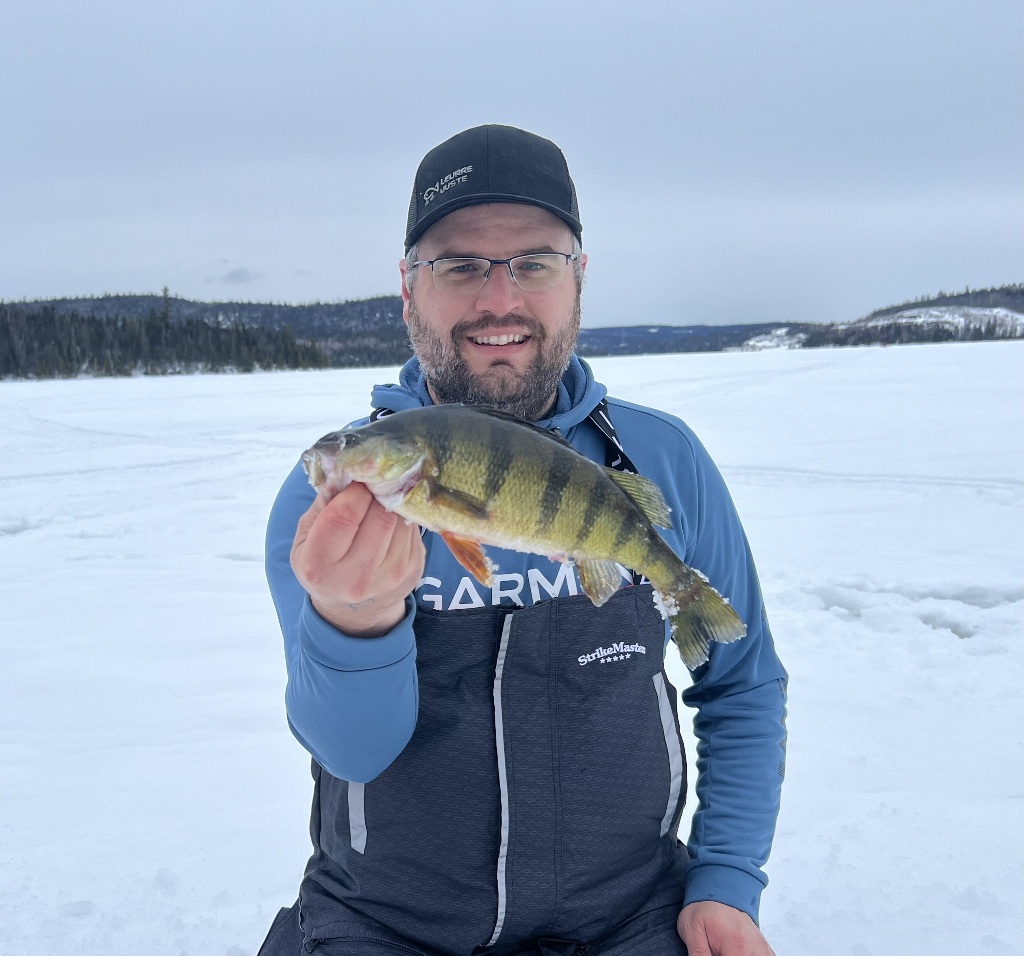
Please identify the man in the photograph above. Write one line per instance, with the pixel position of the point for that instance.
(500, 770)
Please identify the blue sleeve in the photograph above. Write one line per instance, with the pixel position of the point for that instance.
(351, 702)
(740, 701)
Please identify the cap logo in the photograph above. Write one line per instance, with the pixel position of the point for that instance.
(454, 178)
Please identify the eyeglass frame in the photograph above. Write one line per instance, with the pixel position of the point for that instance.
(569, 257)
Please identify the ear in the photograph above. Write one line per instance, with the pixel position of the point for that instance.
(583, 262)
(406, 294)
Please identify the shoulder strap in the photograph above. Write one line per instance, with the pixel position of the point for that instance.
(615, 455)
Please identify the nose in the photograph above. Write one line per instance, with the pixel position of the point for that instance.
(499, 293)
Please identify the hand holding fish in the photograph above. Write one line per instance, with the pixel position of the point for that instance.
(357, 561)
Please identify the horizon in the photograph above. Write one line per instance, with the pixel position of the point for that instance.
(383, 295)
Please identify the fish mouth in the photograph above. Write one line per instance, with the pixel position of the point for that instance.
(319, 462)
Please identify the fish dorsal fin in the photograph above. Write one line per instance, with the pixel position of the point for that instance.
(522, 422)
(645, 494)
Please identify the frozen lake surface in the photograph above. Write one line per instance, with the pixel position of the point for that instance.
(153, 801)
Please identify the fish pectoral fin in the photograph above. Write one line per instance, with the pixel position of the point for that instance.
(599, 579)
(470, 554)
(458, 501)
(645, 494)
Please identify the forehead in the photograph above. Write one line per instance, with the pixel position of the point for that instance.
(482, 228)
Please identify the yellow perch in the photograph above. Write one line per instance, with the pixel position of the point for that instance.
(479, 476)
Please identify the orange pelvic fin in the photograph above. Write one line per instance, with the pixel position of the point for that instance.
(470, 554)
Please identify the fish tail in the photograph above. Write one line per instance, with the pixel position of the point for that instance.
(700, 615)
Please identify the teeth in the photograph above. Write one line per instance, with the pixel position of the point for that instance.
(498, 339)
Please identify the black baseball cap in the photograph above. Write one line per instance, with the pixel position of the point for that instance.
(491, 164)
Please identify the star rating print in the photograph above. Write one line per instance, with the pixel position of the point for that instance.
(615, 657)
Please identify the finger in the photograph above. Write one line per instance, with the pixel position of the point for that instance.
(693, 934)
(326, 531)
(404, 560)
(371, 546)
(697, 944)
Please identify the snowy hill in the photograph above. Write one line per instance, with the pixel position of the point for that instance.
(951, 323)
(780, 338)
(963, 320)
(152, 799)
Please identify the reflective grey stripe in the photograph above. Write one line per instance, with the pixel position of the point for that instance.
(675, 753)
(499, 739)
(357, 816)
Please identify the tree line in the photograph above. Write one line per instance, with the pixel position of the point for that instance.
(356, 333)
(46, 343)
(157, 334)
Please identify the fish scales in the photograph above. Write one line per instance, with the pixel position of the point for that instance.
(551, 499)
(621, 531)
(501, 457)
(479, 476)
(582, 509)
(570, 524)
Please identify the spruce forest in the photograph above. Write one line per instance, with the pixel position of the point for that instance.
(116, 335)
(45, 343)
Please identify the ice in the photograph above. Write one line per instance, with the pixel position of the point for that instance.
(152, 799)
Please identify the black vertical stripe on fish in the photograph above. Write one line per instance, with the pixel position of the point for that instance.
(631, 523)
(596, 500)
(501, 454)
(443, 452)
(551, 499)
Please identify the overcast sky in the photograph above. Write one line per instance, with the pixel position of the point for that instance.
(735, 161)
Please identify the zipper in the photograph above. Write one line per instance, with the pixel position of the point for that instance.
(499, 743)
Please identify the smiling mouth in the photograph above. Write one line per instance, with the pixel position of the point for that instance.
(498, 339)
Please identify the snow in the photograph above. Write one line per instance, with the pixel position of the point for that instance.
(780, 338)
(956, 318)
(153, 801)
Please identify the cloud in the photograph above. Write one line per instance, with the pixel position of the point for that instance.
(238, 276)
(812, 161)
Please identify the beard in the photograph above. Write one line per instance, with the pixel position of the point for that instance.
(527, 394)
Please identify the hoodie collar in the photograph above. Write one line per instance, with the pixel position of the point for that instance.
(578, 394)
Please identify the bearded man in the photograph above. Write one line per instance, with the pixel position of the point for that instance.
(478, 788)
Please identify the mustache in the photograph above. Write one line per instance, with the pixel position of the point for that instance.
(487, 322)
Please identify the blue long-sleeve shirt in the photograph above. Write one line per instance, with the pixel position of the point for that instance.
(352, 702)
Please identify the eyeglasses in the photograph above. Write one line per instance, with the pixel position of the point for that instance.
(532, 273)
